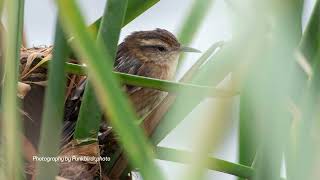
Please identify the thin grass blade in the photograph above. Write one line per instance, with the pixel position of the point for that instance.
(54, 108)
(11, 124)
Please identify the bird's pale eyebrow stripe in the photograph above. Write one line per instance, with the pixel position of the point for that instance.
(152, 42)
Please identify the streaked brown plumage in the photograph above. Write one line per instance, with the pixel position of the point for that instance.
(144, 53)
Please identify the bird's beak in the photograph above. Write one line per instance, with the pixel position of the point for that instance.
(189, 49)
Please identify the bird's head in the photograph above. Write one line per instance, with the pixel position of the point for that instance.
(159, 46)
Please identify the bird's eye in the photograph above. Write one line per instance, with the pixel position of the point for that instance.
(161, 48)
(157, 48)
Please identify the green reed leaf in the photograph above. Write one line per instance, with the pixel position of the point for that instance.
(54, 107)
(10, 120)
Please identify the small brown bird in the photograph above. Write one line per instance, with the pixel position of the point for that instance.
(152, 54)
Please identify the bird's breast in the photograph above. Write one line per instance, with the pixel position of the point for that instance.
(146, 99)
(164, 71)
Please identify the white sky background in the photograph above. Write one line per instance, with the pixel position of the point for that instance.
(40, 21)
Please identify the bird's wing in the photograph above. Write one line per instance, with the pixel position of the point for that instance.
(125, 63)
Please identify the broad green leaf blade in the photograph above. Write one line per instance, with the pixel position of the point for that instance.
(113, 101)
(11, 127)
(54, 107)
